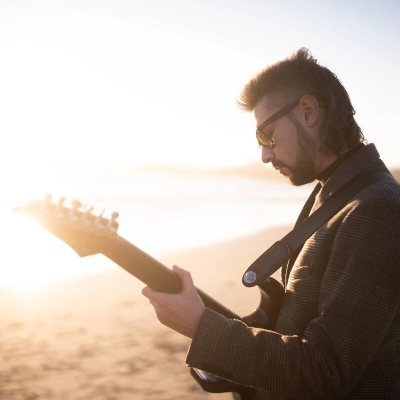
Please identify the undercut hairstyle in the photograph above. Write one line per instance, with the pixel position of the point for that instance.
(300, 75)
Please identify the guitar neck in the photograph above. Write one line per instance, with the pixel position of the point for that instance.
(153, 273)
(88, 234)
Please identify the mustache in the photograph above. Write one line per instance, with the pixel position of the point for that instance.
(278, 164)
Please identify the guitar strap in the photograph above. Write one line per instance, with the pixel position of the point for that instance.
(305, 212)
(290, 245)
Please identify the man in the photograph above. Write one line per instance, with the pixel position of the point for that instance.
(338, 331)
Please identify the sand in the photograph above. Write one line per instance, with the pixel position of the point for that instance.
(97, 337)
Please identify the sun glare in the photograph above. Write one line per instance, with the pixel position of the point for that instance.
(130, 84)
(32, 257)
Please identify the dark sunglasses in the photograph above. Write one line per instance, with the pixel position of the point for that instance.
(267, 140)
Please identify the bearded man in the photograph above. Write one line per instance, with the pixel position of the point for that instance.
(337, 335)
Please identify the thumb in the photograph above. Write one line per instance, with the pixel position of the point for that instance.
(186, 278)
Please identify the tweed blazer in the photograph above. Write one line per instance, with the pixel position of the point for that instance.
(338, 331)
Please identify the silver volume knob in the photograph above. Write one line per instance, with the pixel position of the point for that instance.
(250, 277)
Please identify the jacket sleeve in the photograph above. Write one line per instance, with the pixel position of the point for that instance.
(356, 327)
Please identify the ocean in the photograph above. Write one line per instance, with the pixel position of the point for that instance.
(160, 212)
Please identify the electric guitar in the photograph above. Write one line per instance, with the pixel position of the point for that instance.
(89, 234)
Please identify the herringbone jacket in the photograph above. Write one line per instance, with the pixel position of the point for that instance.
(338, 331)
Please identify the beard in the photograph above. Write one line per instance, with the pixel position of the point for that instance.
(303, 170)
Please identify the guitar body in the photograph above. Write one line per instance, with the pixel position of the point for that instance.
(89, 234)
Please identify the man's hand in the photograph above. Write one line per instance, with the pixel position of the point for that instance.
(182, 311)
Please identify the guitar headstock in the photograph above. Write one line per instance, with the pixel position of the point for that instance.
(76, 225)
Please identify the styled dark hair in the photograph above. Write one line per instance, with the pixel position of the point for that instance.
(299, 75)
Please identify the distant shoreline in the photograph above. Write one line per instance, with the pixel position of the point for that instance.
(253, 170)
(256, 170)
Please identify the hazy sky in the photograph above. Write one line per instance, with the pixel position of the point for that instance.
(152, 81)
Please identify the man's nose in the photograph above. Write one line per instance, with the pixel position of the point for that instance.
(267, 155)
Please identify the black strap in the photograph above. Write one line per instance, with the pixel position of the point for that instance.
(280, 252)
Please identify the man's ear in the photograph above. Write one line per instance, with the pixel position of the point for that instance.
(310, 110)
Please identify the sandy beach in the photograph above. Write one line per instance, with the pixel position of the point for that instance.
(97, 337)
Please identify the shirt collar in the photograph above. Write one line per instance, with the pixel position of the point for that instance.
(328, 171)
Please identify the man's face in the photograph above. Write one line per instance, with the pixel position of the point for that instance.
(295, 151)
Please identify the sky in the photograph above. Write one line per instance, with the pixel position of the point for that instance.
(87, 82)
(139, 82)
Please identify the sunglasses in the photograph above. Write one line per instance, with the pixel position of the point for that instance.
(265, 139)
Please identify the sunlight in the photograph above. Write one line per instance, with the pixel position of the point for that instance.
(82, 107)
(24, 288)
(33, 258)
(149, 89)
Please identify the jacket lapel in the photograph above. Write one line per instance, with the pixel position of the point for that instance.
(360, 161)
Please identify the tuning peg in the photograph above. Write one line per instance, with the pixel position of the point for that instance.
(76, 204)
(74, 214)
(60, 211)
(112, 225)
(99, 223)
(88, 210)
(47, 203)
(87, 218)
(47, 198)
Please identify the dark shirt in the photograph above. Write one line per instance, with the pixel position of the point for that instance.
(328, 171)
